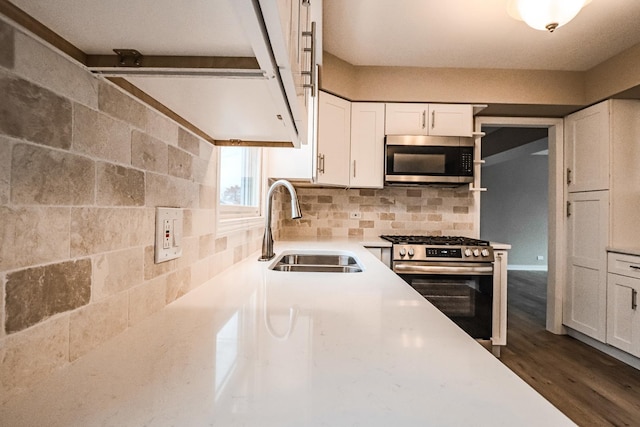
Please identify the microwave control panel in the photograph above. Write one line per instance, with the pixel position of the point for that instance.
(466, 162)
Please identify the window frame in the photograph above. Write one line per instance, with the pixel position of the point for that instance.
(234, 218)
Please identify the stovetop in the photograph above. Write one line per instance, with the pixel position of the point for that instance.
(434, 240)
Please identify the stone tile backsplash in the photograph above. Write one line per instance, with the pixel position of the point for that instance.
(31, 112)
(37, 293)
(390, 210)
(82, 168)
(70, 179)
(7, 35)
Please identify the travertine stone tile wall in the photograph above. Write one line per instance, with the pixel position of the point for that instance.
(391, 210)
(82, 168)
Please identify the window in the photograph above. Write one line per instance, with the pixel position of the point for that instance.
(240, 189)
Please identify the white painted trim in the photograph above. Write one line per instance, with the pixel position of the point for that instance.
(523, 267)
(556, 230)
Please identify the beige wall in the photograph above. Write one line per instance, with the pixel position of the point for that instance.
(483, 86)
(613, 76)
(82, 168)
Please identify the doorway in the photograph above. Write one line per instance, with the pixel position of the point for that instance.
(527, 128)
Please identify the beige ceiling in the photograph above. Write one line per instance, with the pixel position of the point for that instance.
(474, 34)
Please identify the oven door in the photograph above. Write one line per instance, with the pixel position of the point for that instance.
(464, 293)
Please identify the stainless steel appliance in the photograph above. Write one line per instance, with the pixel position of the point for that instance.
(414, 159)
(454, 273)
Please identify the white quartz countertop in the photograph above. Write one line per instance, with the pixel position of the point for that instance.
(255, 347)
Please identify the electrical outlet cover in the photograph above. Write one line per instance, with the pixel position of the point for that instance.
(168, 234)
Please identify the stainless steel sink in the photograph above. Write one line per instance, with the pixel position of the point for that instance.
(317, 263)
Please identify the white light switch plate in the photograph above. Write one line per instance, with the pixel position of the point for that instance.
(168, 234)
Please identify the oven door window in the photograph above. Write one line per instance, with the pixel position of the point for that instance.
(466, 300)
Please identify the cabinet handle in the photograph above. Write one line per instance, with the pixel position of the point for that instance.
(433, 119)
(568, 176)
(354, 168)
(424, 119)
(568, 209)
(634, 299)
(320, 163)
(312, 73)
(634, 267)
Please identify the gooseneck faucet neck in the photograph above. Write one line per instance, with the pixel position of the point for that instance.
(267, 240)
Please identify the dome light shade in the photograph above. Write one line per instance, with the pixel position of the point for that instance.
(548, 14)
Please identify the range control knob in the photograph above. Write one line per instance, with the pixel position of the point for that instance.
(403, 252)
(476, 252)
(485, 252)
(411, 253)
(467, 252)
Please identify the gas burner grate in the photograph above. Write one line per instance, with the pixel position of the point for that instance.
(434, 240)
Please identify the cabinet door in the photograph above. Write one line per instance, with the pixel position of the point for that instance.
(623, 320)
(450, 120)
(585, 301)
(587, 135)
(290, 163)
(367, 145)
(334, 134)
(406, 119)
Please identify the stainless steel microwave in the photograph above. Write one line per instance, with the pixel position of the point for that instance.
(416, 159)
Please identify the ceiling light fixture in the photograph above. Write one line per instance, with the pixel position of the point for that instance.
(545, 14)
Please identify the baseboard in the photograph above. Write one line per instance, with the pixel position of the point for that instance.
(605, 348)
(527, 267)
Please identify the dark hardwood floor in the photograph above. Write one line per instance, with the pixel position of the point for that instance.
(590, 387)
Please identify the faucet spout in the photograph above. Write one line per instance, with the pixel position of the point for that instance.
(267, 240)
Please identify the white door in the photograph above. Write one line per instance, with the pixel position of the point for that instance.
(334, 134)
(585, 302)
(450, 120)
(623, 319)
(406, 119)
(367, 145)
(587, 135)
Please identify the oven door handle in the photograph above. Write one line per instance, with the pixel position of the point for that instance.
(458, 269)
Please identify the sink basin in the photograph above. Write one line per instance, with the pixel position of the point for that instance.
(317, 263)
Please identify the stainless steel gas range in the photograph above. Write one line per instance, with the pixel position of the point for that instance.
(454, 273)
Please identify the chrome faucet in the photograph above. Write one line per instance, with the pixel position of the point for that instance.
(267, 240)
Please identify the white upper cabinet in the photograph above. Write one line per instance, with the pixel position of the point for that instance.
(294, 27)
(244, 59)
(334, 140)
(348, 150)
(587, 139)
(367, 145)
(429, 119)
(450, 119)
(406, 119)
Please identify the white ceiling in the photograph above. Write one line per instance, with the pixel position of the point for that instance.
(474, 34)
